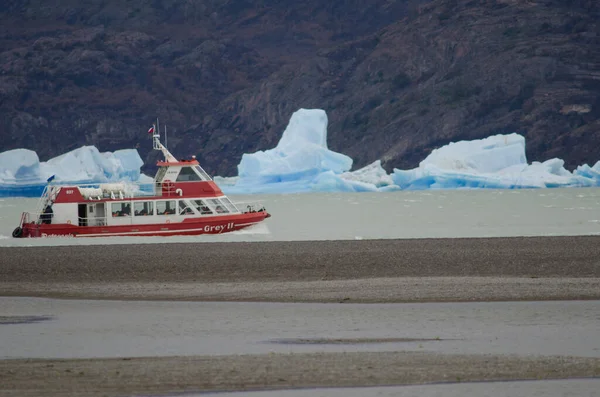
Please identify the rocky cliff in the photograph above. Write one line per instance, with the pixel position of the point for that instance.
(397, 78)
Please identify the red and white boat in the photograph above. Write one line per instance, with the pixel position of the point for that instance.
(185, 201)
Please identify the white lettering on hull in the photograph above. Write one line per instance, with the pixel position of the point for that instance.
(57, 235)
(219, 228)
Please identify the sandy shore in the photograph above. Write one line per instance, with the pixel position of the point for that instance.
(144, 376)
(373, 290)
(540, 268)
(326, 271)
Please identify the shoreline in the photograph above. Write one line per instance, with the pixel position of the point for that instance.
(568, 256)
(370, 271)
(172, 375)
(378, 290)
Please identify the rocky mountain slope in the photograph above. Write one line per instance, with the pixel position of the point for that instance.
(397, 78)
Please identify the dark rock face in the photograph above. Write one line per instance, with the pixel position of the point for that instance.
(397, 78)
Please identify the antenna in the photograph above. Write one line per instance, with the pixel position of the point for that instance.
(166, 136)
(169, 158)
(156, 136)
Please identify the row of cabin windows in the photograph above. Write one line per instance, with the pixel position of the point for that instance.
(172, 207)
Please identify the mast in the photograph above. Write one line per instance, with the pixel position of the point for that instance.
(156, 145)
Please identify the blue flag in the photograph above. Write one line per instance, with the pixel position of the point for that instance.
(51, 178)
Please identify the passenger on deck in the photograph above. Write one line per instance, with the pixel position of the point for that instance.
(46, 217)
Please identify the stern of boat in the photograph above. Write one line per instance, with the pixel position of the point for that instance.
(24, 227)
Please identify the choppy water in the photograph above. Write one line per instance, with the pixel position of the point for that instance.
(421, 214)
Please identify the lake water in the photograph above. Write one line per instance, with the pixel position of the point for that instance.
(55, 328)
(416, 214)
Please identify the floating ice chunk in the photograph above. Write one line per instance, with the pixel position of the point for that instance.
(372, 174)
(22, 174)
(496, 162)
(481, 156)
(19, 165)
(301, 153)
(589, 173)
(301, 161)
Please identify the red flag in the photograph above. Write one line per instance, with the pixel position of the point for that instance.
(151, 130)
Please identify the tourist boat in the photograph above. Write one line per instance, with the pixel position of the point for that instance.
(184, 200)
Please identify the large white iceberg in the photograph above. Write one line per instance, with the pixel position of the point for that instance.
(495, 162)
(302, 162)
(22, 173)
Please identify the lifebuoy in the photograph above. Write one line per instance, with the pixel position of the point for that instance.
(18, 232)
(168, 221)
(68, 222)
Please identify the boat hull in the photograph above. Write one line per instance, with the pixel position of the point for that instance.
(189, 227)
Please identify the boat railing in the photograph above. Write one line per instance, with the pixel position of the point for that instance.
(115, 190)
(246, 207)
(24, 218)
(92, 221)
(98, 191)
(31, 217)
(38, 218)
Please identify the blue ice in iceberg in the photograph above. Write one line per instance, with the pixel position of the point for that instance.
(22, 174)
(302, 162)
(494, 162)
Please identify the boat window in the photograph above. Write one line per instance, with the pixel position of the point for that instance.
(184, 208)
(202, 207)
(230, 206)
(120, 209)
(219, 207)
(187, 174)
(166, 207)
(202, 172)
(143, 208)
(160, 174)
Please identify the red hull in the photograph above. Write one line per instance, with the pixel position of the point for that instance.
(189, 226)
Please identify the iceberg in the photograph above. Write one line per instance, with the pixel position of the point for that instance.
(302, 162)
(496, 162)
(23, 175)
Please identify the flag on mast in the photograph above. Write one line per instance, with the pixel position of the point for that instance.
(151, 130)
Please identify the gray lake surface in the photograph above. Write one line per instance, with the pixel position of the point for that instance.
(53, 328)
(405, 214)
